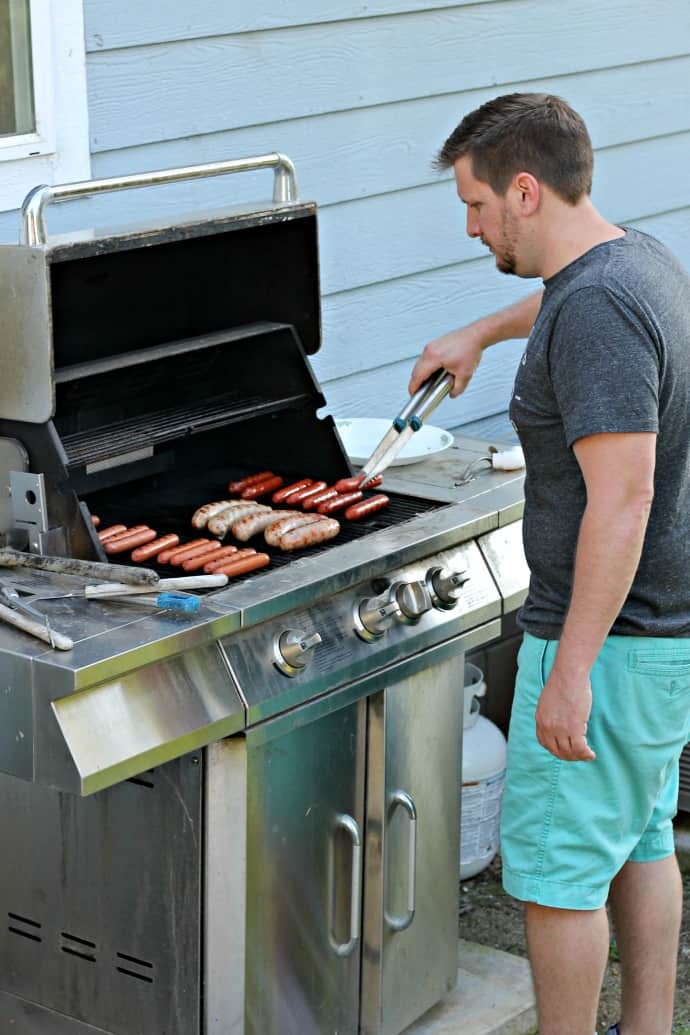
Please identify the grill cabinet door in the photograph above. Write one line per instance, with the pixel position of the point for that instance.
(304, 816)
(410, 950)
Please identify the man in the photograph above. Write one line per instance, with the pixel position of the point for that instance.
(601, 712)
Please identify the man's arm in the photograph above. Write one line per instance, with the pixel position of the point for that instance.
(618, 470)
(461, 350)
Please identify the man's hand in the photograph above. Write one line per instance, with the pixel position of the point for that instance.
(562, 714)
(459, 352)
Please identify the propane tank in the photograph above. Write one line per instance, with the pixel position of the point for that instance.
(483, 775)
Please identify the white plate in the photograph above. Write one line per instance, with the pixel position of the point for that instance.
(361, 435)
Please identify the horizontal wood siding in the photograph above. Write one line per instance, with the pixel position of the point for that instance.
(360, 94)
(131, 23)
(197, 86)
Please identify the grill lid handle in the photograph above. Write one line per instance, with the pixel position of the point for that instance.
(34, 231)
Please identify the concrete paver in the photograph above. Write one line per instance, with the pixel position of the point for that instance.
(493, 996)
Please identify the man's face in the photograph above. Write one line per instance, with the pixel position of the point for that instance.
(488, 217)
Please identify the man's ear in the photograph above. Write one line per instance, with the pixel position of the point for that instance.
(528, 190)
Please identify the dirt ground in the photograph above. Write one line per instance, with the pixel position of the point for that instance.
(490, 917)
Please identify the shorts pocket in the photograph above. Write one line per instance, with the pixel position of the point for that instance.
(674, 664)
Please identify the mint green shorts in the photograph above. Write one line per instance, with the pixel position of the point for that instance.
(567, 828)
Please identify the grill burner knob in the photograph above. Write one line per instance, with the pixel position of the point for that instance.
(374, 615)
(444, 586)
(414, 600)
(292, 650)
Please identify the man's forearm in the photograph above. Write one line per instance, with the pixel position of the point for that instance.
(515, 321)
(608, 553)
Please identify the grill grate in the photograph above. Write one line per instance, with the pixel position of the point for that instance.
(143, 433)
(164, 512)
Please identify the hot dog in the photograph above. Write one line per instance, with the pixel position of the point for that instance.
(339, 502)
(275, 531)
(351, 484)
(127, 532)
(221, 557)
(257, 489)
(312, 502)
(165, 557)
(283, 493)
(243, 565)
(309, 535)
(366, 507)
(251, 479)
(142, 553)
(196, 560)
(303, 494)
(252, 524)
(127, 542)
(111, 531)
(203, 550)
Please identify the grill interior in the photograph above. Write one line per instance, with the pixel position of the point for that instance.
(169, 508)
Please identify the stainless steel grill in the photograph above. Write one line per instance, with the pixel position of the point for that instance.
(243, 820)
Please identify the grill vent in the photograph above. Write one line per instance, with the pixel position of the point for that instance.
(33, 925)
(130, 962)
(78, 947)
(141, 780)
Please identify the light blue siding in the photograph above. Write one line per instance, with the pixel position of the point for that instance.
(129, 23)
(198, 86)
(360, 95)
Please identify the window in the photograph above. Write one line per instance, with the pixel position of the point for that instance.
(43, 106)
(16, 79)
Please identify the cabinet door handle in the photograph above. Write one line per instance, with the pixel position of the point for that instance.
(349, 825)
(403, 799)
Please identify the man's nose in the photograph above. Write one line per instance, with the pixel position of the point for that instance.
(472, 225)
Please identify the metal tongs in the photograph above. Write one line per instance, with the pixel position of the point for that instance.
(18, 610)
(410, 419)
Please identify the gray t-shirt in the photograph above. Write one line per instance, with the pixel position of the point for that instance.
(609, 352)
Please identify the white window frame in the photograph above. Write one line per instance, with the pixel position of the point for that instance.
(58, 151)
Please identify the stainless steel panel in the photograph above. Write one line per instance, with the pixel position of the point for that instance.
(17, 1015)
(306, 790)
(100, 901)
(13, 457)
(26, 358)
(112, 639)
(410, 927)
(342, 657)
(503, 551)
(377, 680)
(225, 891)
(334, 570)
(438, 478)
(16, 716)
(118, 729)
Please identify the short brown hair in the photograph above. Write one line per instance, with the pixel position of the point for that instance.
(524, 132)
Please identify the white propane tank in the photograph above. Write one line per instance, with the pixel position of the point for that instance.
(483, 775)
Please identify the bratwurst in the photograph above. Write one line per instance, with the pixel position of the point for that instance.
(318, 531)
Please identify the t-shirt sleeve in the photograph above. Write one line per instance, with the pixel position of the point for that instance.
(604, 365)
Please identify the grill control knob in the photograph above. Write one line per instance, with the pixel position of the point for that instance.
(444, 586)
(292, 650)
(374, 615)
(414, 600)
